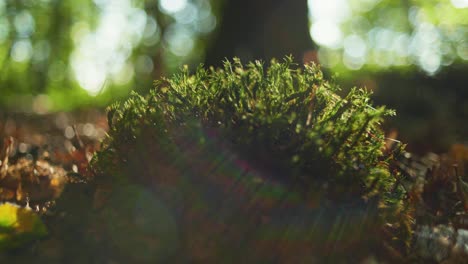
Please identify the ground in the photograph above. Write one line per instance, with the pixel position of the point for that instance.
(45, 166)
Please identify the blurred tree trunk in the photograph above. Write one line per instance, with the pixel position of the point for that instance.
(262, 29)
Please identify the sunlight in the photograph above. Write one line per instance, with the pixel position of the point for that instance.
(355, 51)
(355, 46)
(179, 40)
(21, 51)
(333, 10)
(459, 3)
(103, 54)
(172, 6)
(341, 27)
(425, 47)
(91, 76)
(326, 33)
(326, 17)
(187, 15)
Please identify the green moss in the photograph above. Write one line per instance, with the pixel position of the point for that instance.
(284, 121)
(281, 117)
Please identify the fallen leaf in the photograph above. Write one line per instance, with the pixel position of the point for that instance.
(19, 226)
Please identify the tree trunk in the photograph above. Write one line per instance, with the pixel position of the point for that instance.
(262, 29)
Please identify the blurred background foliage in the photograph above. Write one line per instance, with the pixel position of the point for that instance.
(58, 54)
(63, 54)
(374, 34)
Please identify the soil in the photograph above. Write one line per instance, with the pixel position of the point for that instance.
(45, 166)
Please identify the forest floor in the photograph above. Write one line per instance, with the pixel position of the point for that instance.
(45, 166)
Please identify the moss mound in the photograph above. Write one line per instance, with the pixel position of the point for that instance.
(219, 138)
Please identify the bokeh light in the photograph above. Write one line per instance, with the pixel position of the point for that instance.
(381, 34)
(102, 55)
(460, 3)
(97, 50)
(172, 6)
(21, 51)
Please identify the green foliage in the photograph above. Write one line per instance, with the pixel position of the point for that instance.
(394, 35)
(60, 55)
(285, 121)
(289, 120)
(35, 47)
